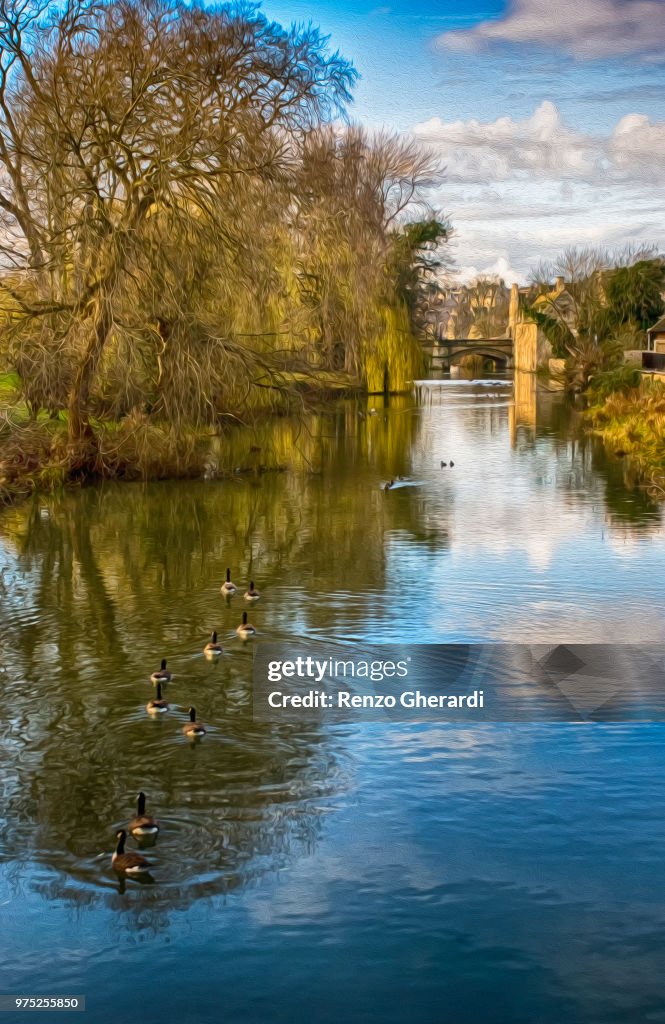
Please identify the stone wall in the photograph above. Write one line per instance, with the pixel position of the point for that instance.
(525, 341)
(531, 348)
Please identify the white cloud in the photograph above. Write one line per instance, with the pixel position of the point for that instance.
(637, 147)
(519, 191)
(500, 268)
(586, 29)
(483, 152)
(543, 146)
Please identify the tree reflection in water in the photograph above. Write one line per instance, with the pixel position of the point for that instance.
(99, 585)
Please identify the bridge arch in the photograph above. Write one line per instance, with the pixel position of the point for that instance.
(498, 354)
(449, 351)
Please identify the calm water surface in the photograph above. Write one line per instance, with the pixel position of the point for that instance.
(381, 873)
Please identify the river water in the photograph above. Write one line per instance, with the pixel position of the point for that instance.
(334, 872)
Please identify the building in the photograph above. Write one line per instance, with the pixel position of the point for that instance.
(656, 336)
(559, 304)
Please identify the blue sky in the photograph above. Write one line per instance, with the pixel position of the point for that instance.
(552, 126)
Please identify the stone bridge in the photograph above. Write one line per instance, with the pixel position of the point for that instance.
(445, 352)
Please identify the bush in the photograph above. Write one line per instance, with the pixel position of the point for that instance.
(621, 380)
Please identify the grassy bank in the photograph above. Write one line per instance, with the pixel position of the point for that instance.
(632, 424)
(34, 454)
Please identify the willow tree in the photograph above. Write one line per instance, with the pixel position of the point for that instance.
(116, 117)
(359, 259)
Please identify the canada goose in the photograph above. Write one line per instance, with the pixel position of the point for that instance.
(162, 675)
(443, 464)
(128, 863)
(451, 463)
(157, 705)
(143, 824)
(192, 727)
(228, 587)
(251, 594)
(212, 649)
(245, 628)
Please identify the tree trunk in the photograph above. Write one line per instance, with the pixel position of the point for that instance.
(80, 434)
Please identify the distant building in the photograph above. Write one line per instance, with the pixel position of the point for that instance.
(559, 304)
(656, 336)
(478, 310)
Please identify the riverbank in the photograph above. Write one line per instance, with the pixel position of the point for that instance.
(632, 425)
(35, 453)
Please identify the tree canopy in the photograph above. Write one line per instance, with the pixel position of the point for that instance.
(181, 224)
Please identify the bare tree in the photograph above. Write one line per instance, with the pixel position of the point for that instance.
(116, 116)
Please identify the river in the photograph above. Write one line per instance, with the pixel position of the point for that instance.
(505, 874)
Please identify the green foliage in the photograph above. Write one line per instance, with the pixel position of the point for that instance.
(555, 329)
(634, 294)
(9, 386)
(620, 380)
(417, 255)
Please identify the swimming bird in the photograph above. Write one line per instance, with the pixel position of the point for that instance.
(192, 728)
(443, 464)
(212, 649)
(252, 594)
(245, 629)
(128, 863)
(451, 463)
(143, 824)
(157, 705)
(228, 587)
(162, 675)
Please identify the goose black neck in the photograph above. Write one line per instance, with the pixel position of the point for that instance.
(192, 714)
(244, 618)
(120, 848)
(214, 636)
(159, 691)
(140, 803)
(163, 664)
(228, 575)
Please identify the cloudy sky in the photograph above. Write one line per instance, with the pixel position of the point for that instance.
(551, 125)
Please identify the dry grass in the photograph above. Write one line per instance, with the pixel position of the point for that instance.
(27, 460)
(633, 424)
(136, 449)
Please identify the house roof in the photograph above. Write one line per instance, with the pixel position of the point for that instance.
(658, 326)
(552, 296)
